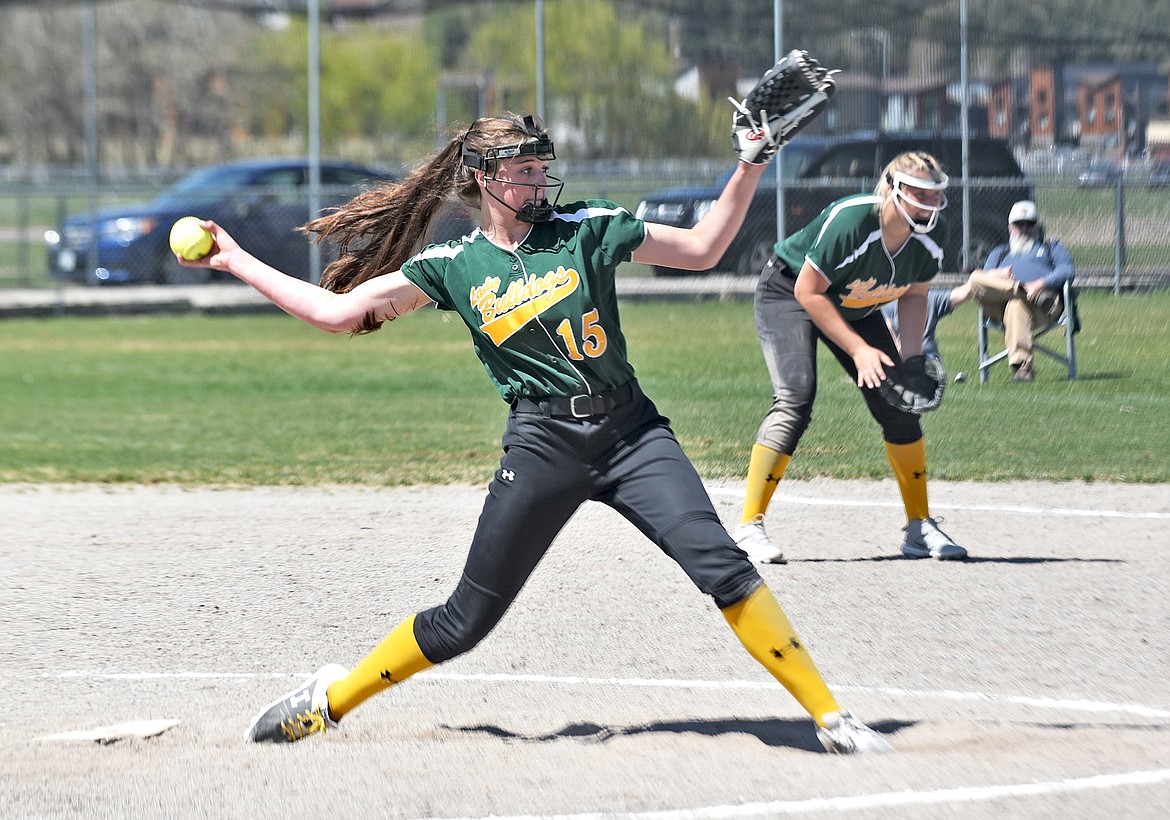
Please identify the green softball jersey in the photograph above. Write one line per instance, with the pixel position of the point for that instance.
(544, 318)
(844, 243)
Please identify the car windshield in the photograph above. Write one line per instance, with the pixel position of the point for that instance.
(204, 184)
(796, 156)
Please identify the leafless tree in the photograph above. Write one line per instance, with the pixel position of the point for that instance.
(164, 76)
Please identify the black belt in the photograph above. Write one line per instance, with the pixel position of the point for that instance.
(575, 407)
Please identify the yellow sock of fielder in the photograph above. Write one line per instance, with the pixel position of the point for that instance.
(765, 470)
(763, 628)
(394, 660)
(909, 463)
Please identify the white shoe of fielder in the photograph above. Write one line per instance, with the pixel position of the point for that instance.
(752, 539)
(844, 734)
(924, 539)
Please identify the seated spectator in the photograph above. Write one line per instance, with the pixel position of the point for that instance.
(1022, 285)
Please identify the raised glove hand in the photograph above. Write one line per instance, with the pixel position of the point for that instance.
(785, 100)
(916, 385)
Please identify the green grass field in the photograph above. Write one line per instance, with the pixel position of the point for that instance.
(263, 399)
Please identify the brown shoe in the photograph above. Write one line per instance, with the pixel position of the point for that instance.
(1023, 372)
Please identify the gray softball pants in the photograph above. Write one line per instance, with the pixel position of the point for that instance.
(788, 338)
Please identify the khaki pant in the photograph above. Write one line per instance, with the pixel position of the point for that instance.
(1006, 301)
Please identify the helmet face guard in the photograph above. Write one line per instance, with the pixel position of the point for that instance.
(899, 180)
(539, 146)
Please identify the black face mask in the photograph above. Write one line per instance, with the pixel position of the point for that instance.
(532, 212)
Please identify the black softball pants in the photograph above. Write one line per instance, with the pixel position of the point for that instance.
(628, 459)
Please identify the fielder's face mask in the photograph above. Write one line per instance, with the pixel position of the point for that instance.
(539, 146)
(899, 181)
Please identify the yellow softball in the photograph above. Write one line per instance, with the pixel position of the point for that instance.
(191, 240)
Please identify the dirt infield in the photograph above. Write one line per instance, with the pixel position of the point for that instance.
(1030, 681)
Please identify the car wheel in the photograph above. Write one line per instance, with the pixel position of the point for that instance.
(172, 273)
(753, 258)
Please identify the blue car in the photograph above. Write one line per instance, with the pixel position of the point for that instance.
(261, 202)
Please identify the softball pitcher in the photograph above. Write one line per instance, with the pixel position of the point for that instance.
(535, 286)
(827, 281)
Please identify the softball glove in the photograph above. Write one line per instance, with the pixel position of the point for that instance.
(785, 100)
(916, 385)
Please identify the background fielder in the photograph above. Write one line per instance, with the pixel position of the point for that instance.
(827, 282)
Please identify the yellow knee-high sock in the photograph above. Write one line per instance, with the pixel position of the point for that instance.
(763, 628)
(765, 470)
(909, 463)
(394, 660)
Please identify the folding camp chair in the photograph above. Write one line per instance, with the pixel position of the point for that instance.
(1069, 321)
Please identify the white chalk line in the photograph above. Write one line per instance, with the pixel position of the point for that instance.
(1078, 705)
(863, 802)
(790, 807)
(1051, 511)
(1067, 704)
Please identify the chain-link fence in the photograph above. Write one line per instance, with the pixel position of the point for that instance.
(49, 237)
(1117, 230)
(105, 104)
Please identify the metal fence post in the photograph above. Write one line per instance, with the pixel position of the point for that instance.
(1119, 240)
(23, 235)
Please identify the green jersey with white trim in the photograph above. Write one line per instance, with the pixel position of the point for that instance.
(543, 318)
(844, 243)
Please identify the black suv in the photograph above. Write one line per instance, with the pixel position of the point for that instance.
(818, 170)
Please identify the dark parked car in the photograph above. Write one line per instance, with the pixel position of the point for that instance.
(818, 170)
(1098, 174)
(261, 202)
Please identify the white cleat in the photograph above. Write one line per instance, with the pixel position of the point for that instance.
(924, 539)
(844, 734)
(752, 539)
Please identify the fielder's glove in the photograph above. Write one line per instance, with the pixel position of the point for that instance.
(916, 385)
(786, 99)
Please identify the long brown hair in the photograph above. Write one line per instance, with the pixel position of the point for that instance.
(378, 230)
